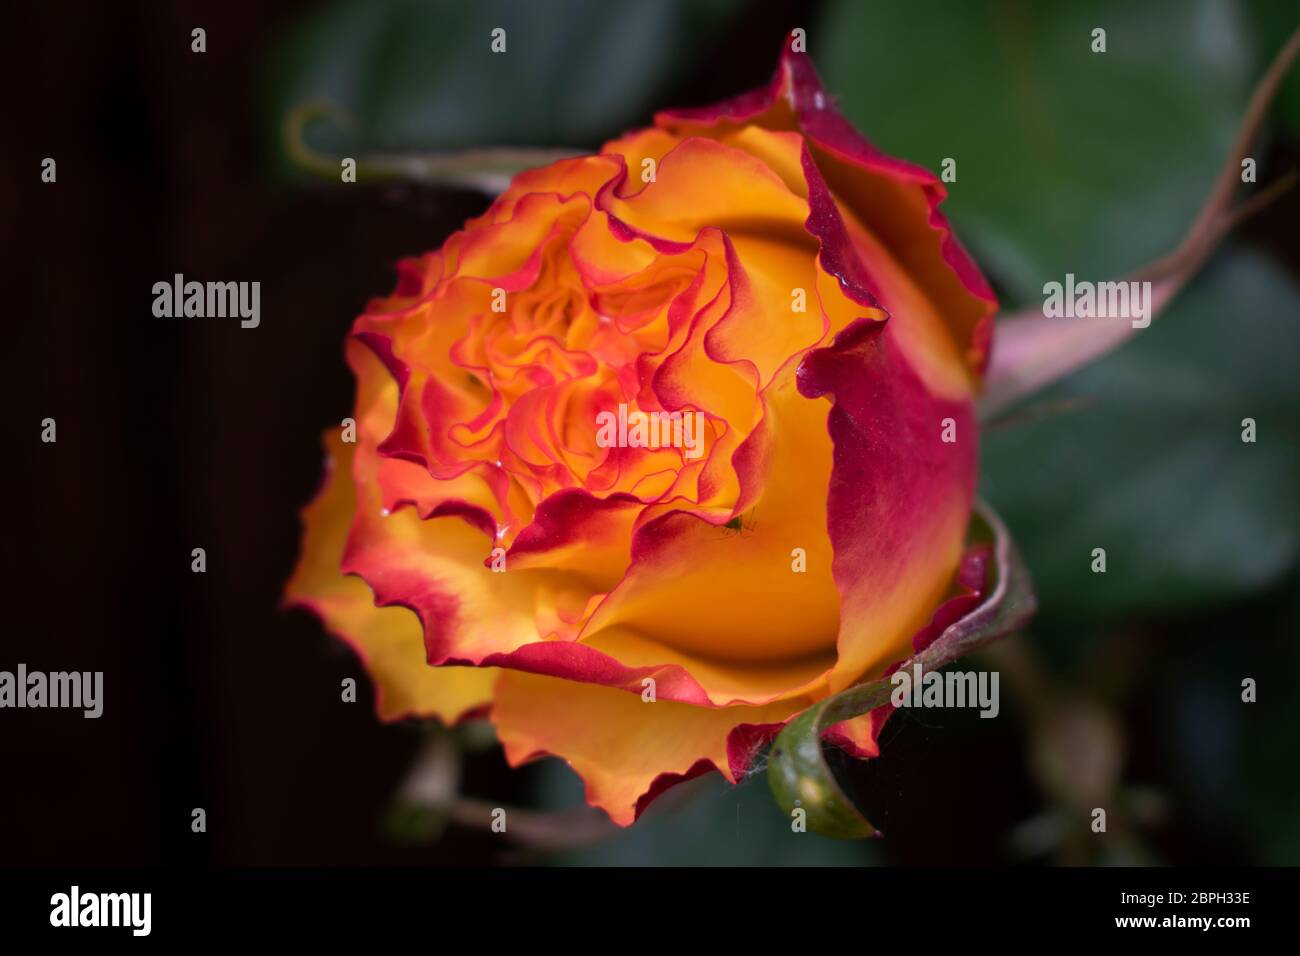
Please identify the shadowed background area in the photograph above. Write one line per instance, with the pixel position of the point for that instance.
(177, 434)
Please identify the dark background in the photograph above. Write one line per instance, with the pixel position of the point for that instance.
(176, 434)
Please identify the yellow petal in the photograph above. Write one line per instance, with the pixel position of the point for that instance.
(387, 639)
(616, 741)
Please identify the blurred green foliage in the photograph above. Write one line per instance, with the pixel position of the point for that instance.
(1232, 766)
(1067, 160)
(1154, 470)
(422, 75)
(1274, 20)
(705, 822)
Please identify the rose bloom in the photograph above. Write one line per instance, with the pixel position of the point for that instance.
(646, 615)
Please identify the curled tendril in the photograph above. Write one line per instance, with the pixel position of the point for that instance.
(486, 170)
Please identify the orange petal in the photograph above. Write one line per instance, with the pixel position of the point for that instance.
(746, 629)
(437, 567)
(898, 201)
(388, 640)
(625, 749)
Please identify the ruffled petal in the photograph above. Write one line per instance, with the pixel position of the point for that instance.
(388, 640)
(626, 749)
(894, 199)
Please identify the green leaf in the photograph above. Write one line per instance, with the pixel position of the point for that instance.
(423, 74)
(1150, 464)
(798, 773)
(1067, 160)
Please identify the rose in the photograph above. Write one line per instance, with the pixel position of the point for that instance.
(644, 613)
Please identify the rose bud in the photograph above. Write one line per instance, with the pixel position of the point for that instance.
(656, 598)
